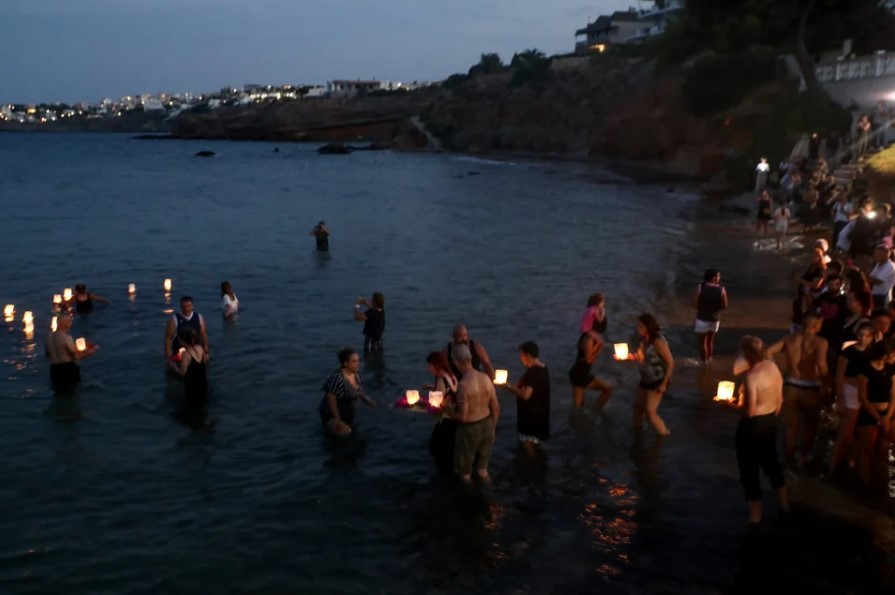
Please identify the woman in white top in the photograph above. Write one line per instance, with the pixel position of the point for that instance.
(229, 301)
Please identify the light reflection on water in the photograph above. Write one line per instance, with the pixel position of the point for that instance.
(110, 489)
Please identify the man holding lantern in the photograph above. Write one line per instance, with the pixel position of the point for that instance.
(63, 355)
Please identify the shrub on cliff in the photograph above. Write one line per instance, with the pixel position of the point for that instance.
(454, 81)
(720, 81)
(488, 64)
(529, 66)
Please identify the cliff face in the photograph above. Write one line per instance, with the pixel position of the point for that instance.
(584, 108)
(147, 122)
(370, 118)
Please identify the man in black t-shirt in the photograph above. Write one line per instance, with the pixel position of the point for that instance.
(532, 397)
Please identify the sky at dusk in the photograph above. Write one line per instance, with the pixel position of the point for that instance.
(83, 50)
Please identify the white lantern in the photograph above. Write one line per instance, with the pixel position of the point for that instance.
(621, 351)
(9, 310)
(436, 398)
(500, 376)
(412, 396)
(28, 317)
(81, 344)
(167, 284)
(66, 294)
(725, 391)
(132, 288)
(54, 324)
(29, 330)
(57, 299)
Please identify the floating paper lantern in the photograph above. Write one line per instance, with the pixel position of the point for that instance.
(725, 391)
(412, 396)
(132, 288)
(436, 398)
(28, 317)
(621, 351)
(54, 324)
(57, 299)
(9, 310)
(81, 344)
(29, 330)
(66, 294)
(167, 284)
(500, 376)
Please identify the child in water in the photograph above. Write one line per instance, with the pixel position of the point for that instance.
(594, 317)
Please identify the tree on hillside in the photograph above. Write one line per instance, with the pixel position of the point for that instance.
(488, 64)
(804, 27)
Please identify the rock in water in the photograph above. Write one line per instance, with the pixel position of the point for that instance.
(334, 149)
(205, 154)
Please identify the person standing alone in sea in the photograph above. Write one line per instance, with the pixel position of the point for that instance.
(321, 233)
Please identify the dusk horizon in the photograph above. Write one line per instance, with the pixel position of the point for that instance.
(101, 48)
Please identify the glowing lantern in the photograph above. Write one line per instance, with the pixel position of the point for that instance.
(167, 284)
(66, 294)
(500, 376)
(725, 391)
(29, 330)
(28, 317)
(132, 289)
(436, 398)
(9, 310)
(81, 344)
(57, 299)
(53, 324)
(621, 351)
(412, 396)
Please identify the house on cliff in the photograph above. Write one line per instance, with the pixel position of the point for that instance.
(625, 27)
(341, 87)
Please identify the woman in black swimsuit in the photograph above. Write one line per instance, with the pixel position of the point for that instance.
(876, 394)
(192, 367)
(82, 301)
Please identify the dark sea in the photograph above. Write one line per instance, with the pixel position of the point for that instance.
(111, 492)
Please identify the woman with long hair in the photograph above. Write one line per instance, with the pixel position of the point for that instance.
(656, 369)
(441, 444)
(229, 301)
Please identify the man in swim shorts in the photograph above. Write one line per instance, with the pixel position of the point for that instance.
(477, 415)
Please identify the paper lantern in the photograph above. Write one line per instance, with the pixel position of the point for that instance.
(621, 351)
(28, 317)
(81, 344)
(500, 376)
(57, 299)
(9, 310)
(412, 396)
(167, 284)
(29, 330)
(54, 324)
(436, 398)
(66, 294)
(725, 391)
(132, 288)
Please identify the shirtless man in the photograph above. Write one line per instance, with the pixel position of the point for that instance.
(806, 377)
(477, 415)
(63, 355)
(480, 359)
(760, 402)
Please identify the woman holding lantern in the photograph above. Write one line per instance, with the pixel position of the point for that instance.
(341, 390)
(656, 368)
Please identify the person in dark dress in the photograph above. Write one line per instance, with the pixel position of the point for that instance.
(192, 367)
(83, 300)
(532, 397)
(374, 320)
(765, 210)
(341, 390)
(441, 444)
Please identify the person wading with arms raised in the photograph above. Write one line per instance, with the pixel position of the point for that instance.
(477, 416)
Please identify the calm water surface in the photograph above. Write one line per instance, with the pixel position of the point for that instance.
(111, 493)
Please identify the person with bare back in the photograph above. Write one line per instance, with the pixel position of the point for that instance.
(806, 378)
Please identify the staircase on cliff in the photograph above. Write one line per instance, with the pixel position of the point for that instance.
(432, 141)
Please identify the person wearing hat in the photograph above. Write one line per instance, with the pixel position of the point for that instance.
(322, 234)
(710, 298)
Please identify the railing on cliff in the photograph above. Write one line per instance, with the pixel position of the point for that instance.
(876, 65)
